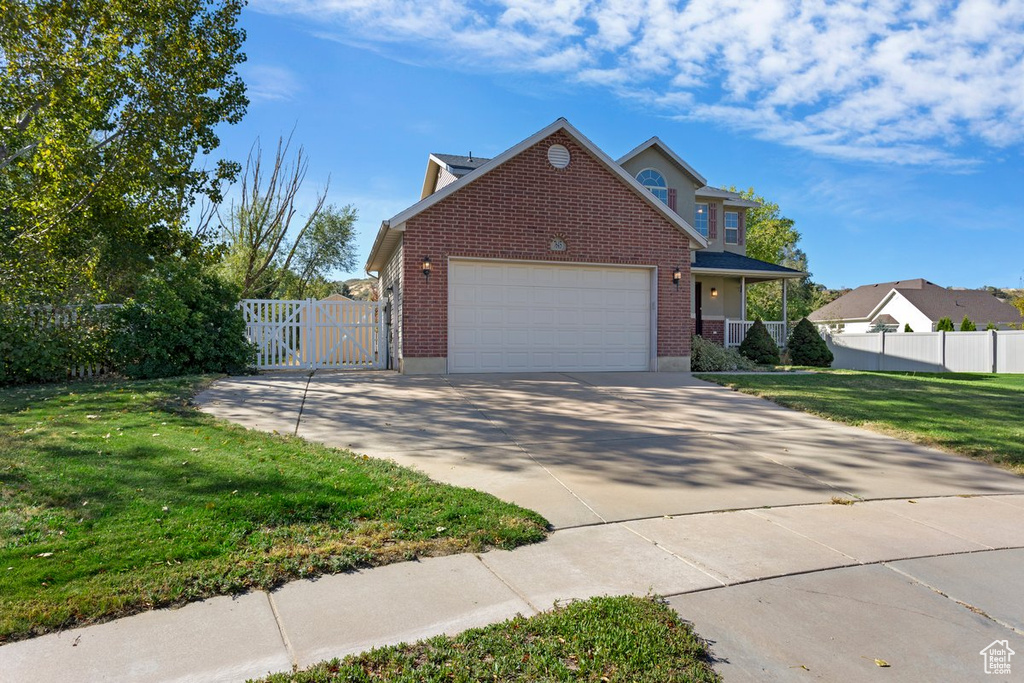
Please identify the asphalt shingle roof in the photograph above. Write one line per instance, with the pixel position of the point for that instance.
(725, 260)
(932, 300)
(461, 165)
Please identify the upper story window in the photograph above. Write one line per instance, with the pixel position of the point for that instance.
(732, 227)
(655, 182)
(700, 219)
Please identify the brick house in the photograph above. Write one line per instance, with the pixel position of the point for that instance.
(554, 257)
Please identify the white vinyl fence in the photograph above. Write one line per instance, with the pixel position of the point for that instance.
(295, 334)
(736, 330)
(999, 351)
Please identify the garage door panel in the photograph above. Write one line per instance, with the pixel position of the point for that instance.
(540, 317)
(519, 296)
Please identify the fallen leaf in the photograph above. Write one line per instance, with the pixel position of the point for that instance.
(92, 417)
(44, 555)
(882, 663)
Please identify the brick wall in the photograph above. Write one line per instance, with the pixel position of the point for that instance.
(714, 330)
(514, 211)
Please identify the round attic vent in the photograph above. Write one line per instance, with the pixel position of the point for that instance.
(558, 156)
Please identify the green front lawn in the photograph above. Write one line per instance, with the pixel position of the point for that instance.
(120, 497)
(620, 640)
(980, 415)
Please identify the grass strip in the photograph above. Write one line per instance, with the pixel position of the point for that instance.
(978, 415)
(616, 639)
(118, 497)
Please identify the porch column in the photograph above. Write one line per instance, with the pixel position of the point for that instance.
(785, 315)
(743, 297)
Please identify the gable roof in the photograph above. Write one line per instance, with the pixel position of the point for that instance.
(668, 153)
(459, 165)
(933, 301)
(388, 235)
(860, 302)
(454, 164)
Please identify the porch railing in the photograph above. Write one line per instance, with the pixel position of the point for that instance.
(736, 330)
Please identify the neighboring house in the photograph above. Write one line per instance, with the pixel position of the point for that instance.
(918, 303)
(552, 256)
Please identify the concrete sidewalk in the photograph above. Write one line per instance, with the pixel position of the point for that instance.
(813, 591)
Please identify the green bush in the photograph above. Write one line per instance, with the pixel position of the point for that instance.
(759, 346)
(967, 326)
(47, 343)
(907, 327)
(944, 325)
(806, 347)
(183, 321)
(991, 326)
(707, 356)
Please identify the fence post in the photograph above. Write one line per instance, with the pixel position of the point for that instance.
(942, 350)
(382, 342)
(993, 348)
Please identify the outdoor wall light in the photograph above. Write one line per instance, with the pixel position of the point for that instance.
(714, 292)
(426, 267)
(390, 290)
(677, 276)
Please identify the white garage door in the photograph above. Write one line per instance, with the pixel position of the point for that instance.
(519, 317)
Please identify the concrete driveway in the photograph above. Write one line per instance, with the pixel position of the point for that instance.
(658, 484)
(784, 586)
(605, 447)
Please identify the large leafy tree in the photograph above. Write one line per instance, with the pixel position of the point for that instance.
(105, 106)
(774, 238)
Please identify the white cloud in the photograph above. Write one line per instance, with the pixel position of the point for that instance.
(269, 83)
(905, 81)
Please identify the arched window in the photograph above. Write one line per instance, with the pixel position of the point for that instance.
(655, 182)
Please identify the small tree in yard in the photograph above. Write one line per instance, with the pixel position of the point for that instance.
(945, 325)
(966, 325)
(759, 346)
(907, 327)
(806, 347)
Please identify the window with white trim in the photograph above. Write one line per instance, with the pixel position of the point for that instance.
(732, 227)
(655, 182)
(700, 219)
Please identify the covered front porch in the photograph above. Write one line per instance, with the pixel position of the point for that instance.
(720, 281)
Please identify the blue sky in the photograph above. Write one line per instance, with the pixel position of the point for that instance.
(891, 132)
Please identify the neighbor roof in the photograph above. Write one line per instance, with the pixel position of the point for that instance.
(978, 305)
(860, 302)
(933, 301)
(390, 230)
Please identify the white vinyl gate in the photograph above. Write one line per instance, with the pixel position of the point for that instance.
(310, 334)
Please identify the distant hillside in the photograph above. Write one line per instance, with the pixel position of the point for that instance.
(358, 288)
